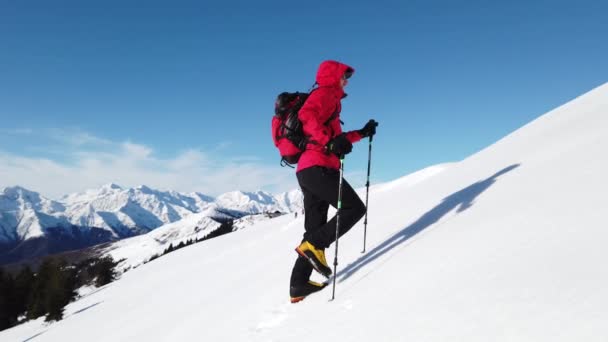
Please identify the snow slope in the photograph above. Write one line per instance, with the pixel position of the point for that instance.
(507, 245)
(140, 249)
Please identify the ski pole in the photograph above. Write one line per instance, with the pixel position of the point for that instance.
(333, 293)
(369, 164)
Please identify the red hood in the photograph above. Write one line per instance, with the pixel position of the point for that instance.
(330, 73)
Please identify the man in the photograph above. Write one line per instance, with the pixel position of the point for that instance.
(318, 175)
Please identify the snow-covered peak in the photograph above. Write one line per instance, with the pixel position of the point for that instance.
(291, 201)
(128, 211)
(122, 212)
(137, 208)
(88, 195)
(111, 186)
(144, 189)
(19, 198)
(17, 193)
(14, 191)
(26, 214)
(202, 197)
(242, 197)
(250, 202)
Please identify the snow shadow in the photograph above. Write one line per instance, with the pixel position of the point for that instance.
(33, 337)
(462, 200)
(86, 308)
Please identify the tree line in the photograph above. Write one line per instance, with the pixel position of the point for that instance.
(225, 228)
(30, 295)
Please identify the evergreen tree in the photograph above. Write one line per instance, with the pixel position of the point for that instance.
(36, 302)
(52, 290)
(23, 287)
(105, 271)
(54, 300)
(60, 290)
(85, 272)
(7, 315)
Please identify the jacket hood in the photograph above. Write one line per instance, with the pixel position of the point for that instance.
(330, 73)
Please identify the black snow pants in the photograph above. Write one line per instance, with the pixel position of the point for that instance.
(320, 188)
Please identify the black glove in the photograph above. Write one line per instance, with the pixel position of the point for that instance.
(339, 145)
(369, 129)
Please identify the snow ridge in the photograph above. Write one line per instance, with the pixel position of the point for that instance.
(124, 212)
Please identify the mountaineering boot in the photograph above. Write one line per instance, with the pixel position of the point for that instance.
(315, 256)
(299, 292)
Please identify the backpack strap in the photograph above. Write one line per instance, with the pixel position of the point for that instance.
(285, 163)
(326, 124)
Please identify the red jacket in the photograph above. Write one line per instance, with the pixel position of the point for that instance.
(320, 116)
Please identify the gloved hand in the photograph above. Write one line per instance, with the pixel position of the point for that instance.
(369, 129)
(339, 145)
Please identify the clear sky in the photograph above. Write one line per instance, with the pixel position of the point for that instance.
(180, 94)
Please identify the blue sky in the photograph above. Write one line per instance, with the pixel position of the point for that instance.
(179, 95)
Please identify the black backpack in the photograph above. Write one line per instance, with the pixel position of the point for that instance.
(287, 133)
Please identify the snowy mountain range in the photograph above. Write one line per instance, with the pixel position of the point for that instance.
(506, 245)
(32, 225)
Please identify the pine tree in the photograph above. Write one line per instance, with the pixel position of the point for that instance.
(36, 302)
(105, 271)
(85, 272)
(60, 289)
(55, 298)
(52, 290)
(6, 300)
(23, 287)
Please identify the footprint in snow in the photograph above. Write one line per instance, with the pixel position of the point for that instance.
(272, 318)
